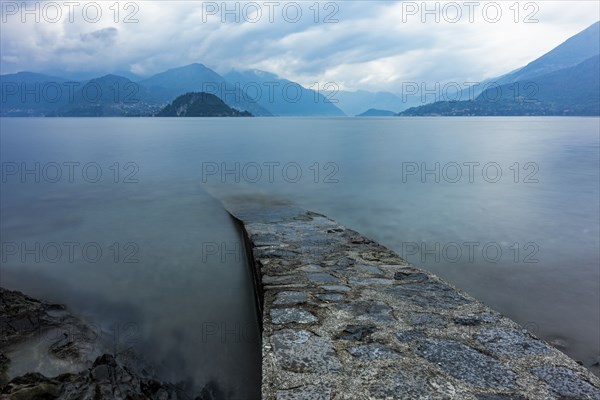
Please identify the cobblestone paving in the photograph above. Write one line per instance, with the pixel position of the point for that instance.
(346, 318)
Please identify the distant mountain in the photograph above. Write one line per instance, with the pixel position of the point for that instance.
(113, 96)
(27, 94)
(30, 77)
(569, 91)
(199, 78)
(373, 112)
(354, 103)
(190, 77)
(281, 96)
(84, 76)
(563, 81)
(32, 94)
(571, 52)
(200, 105)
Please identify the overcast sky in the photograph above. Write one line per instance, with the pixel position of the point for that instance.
(368, 45)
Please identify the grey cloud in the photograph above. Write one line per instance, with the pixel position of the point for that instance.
(370, 48)
(106, 36)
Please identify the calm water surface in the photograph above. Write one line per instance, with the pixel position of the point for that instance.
(508, 210)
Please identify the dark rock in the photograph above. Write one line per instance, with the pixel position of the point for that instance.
(105, 380)
(466, 363)
(331, 296)
(373, 351)
(290, 298)
(66, 348)
(357, 332)
(313, 268)
(22, 316)
(4, 362)
(270, 252)
(379, 254)
(344, 262)
(322, 277)
(410, 336)
(369, 281)
(567, 383)
(429, 320)
(405, 385)
(477, 319)
(410, 277)
(316, 243)
(368, 269)
(336, 288)
(302, 351)
(428, 294)
(102, 373)
(32, 386)
(289, 315)
(265, 239)
(510, 342)
(280, 279)
(368, 310)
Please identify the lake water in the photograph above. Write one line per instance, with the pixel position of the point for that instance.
(505, 208)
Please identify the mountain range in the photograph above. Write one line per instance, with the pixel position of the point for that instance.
(575, 50)
(281, 96)
(563, 81)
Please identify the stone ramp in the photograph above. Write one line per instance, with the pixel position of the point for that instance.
(346, 318)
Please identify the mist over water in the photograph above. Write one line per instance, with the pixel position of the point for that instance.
(141, 262)
(185, 302)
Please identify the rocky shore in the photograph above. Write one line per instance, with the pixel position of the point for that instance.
(345, 318)
(66, 344)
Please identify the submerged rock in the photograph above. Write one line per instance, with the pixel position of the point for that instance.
(23, 316)
(107, 379)
(102, 377)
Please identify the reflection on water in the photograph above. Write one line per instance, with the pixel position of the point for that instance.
(187, 290)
